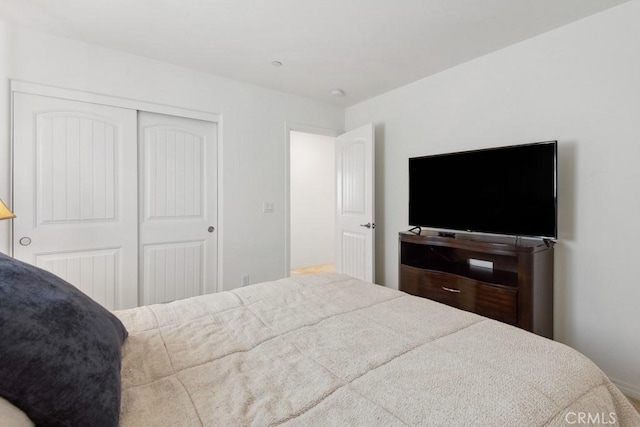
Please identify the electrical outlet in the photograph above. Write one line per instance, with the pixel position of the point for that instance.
(245, 279)
(267, 207)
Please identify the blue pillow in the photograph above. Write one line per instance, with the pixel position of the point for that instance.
(60, 351)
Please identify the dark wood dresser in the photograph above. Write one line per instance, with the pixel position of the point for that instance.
(507, 279)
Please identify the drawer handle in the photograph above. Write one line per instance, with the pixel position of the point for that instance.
(455, 291)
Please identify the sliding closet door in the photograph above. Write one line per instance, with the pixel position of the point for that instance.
(76, 206)
(178, 188)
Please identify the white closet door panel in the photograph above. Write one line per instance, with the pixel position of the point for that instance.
(96, 273)
(178, 187)
(173, 271)
(75, 163)
(174, 178)
(76, 177)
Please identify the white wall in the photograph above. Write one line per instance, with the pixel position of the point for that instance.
(313, 199)
(579, 84)
(253, 122)
(5, 132)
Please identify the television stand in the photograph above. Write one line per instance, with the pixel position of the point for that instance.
(494, 277)
(445, 234)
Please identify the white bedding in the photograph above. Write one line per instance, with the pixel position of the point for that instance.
(332, 350)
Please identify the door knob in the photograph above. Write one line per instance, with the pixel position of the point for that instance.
(25, 241)
(368, 225)
(211, 229)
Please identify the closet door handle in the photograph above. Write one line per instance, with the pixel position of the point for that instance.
(211, 229)
(455, 291)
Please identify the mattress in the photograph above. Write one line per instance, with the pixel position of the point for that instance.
(329, 349)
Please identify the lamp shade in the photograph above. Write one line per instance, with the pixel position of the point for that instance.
(5, 213)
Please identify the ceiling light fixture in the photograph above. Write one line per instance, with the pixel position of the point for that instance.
(337, 92)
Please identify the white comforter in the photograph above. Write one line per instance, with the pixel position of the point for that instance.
(331, 350)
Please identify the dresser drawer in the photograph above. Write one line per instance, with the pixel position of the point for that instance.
(493, 301)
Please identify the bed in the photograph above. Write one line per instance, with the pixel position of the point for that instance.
(329, 349)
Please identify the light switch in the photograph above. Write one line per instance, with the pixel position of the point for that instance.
(267, 207)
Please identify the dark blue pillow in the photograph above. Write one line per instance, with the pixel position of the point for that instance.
(60, 351)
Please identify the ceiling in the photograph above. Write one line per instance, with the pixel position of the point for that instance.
(364, 47)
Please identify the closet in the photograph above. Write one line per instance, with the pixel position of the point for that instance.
(120, 202)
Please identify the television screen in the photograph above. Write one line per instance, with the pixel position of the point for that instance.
(506, 190)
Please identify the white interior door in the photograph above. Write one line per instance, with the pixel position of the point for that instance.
(75, 205)
(178, 187)
(355, 220)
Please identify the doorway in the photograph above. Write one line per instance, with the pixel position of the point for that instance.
(312, 207)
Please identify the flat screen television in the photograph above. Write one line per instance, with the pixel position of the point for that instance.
(505, 191)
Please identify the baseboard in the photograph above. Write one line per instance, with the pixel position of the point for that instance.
(627, 389)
